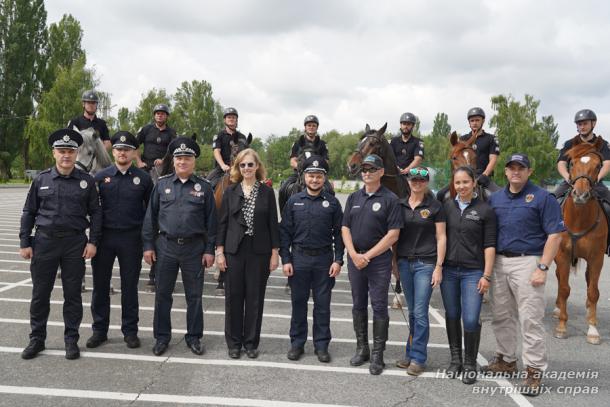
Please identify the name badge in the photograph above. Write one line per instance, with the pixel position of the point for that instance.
(41, 188)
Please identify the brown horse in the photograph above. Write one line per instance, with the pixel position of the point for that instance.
(585, 238)
(237, 144)
(462, 154)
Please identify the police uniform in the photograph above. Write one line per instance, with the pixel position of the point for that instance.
(406, 151)
(58, 206)
(99, 125)
(484, 145)
(222, 141)
(515, 301)
(180, 225)
(310, 239)
(155, 142)
(124, 197)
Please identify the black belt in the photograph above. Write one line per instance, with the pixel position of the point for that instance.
(423, 259)
(59, 233)
(513, 254)
(183, 240)
(313, 252)
(360, 251)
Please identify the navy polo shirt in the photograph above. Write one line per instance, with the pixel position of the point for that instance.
(222, 141)
(526, 219)
(370, 217)
(311, 222)
(155, 142)
(124, 197)
(406, 151)
(484, 145)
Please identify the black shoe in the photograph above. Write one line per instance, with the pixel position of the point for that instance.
(132, 341)
(234, 353)
(159, 348)
(72, 351)
(363, 352)
(380, 336)
(196, 347)
(96, 340)
(323, 356)
(252, 353)
(295, 353)
(33, 349)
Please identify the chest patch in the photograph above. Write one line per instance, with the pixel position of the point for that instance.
(167, 190)
(197, 187)
(107, 180)
(83, 184)
(376, 206)
(529, 198)
(473, 215)
(325, 204)
(425, 213)
(136, 180)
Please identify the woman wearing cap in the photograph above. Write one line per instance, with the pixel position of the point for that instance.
(471, 241)
(420, 251)
(247, 250)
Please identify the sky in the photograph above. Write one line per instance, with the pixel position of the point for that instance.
(354, 62)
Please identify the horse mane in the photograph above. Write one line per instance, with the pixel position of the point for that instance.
(582, 148)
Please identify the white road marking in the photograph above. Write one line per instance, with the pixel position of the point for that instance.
(14, 285)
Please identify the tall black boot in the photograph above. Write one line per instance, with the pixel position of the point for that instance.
(361, 328)
(380, 336)
(454, 335)
(471, 350)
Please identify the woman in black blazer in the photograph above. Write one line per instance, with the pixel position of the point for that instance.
(247, 250)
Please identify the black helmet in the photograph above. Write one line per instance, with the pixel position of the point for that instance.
(90, 96)
(161, 107)
(476, 111)
(228, 111)
(585, 114)
(408, 118)
(311, 119)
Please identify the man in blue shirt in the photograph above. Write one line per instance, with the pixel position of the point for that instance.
(529, 234)
(124, 192)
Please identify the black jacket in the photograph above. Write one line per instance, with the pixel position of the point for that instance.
(232, 225)
(469, 233)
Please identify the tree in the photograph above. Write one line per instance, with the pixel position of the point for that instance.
(277, 151)
(196, 111)
(144, 112)
(519, 130)
(23, 36)
(437, 148)
(340, 148)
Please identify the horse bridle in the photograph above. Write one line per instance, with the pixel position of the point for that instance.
(89, 167)
(357, 151)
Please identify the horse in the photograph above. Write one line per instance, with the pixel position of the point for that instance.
(585, 237)
(374, 142)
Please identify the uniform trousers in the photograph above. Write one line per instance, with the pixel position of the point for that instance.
(374, 279)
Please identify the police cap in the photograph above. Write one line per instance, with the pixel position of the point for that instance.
(184, 146)
(124, 139)
(65, 138)
(315, 163)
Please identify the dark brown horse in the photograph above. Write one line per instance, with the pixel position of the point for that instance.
(237, 144)
(585, 238)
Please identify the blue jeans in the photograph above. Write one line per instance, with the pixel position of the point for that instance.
(416, 278)
(461, 297)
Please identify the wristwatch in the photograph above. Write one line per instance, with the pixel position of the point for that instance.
(543, 267)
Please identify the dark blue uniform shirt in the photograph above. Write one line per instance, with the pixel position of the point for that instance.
(525, 219)
(62, 203)
(405, 152)
(484, 145)
(99, 125)
(124, 197)
(311, 222)
(155, 142)
(369, 218)
(179, 209)
(222, 141)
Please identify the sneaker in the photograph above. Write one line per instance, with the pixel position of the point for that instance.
(403, 363)
(531, 385)
(415, 369)
(33, 349)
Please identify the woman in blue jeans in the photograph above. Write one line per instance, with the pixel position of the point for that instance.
(420, 251)
(471, 241)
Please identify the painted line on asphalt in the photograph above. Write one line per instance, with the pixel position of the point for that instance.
(154, 397)
(14, 285)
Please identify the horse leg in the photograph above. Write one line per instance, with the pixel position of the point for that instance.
(563, 292)
(593, 272)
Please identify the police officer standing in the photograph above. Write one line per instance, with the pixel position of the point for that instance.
(408, 149)
(89, 119)
(155, 137)
(221, 145)
(124, 192)
(180, 232)
(520, 271)
(371, 225)
(59, 201)
(311, 227)
(486, 146)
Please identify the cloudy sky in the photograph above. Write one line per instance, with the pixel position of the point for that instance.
(354, 62)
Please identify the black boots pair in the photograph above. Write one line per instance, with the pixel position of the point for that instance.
(380, 336)
(471, 350)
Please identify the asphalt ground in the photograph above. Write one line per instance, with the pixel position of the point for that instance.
(113, 375)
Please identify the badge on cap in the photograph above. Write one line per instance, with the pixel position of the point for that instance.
(376, 206)
(167, 190)
(424, 213)
(197, 187)
(123, 139)
(136, 180)
(66, 138)
(325, 204)
(529, 198)
(182, 146)
(83, 183)
(315, 163)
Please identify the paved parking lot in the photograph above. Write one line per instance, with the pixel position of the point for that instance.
(113, 375)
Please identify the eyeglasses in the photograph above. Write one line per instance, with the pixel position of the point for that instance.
(244, 165)
(370, 170)
(419, 171)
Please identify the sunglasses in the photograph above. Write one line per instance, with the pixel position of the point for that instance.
(418, 171)
(370, 170)
(244, 165)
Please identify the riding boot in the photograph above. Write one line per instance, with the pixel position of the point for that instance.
(454, 335)
(361, 321)
(380, 336)
(471, 350)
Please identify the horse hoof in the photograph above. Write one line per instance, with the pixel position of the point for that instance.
(560, 334)
(593, 340)
(556, 313)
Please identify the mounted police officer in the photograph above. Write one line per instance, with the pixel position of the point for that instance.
(408, 149)
(180, 232)
(89, 119)
(371, 225)
(221, 145)
(312, 255)
(58, 204)
(124, 192)
(486, 146)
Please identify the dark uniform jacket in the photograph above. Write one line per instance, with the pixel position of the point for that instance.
(155, 142)
(604, 149)
(99, 125)
(223, 141)
(303, 143)
(405, 152)
(484, 145)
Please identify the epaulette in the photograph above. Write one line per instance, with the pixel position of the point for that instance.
(46, 171)
(166, 176)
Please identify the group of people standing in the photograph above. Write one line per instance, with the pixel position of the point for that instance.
(464, 245)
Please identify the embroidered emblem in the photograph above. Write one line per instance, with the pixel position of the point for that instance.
(158, 140)
(197, 187)
(167, 190)
(136, 180)
(83, 184)
(529, 198)
(107, 180)
(425, 213)
(325, 204)
(376, 206)
(66, 138)
(123, 139)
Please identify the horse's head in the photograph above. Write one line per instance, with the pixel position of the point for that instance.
(585, 164)
(91, 156)
(462, 153)
(371, 142)
(239, 144)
